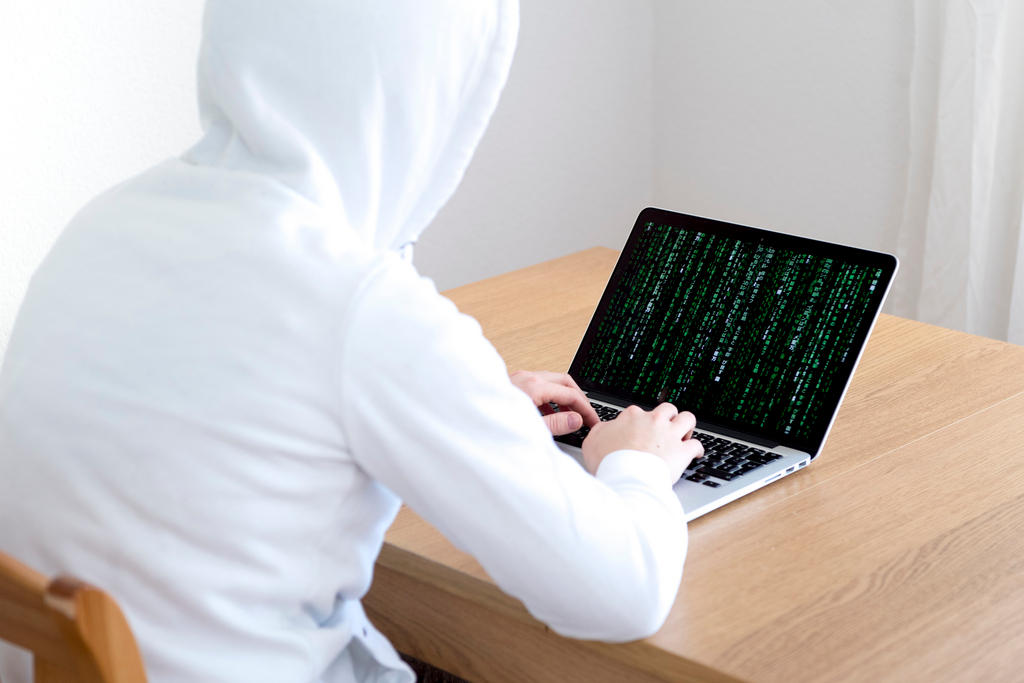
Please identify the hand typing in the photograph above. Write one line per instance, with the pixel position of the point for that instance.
(664, 431)
(556, 387)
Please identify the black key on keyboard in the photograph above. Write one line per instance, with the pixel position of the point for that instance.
(719, 474)
(605, 412)
(574, 439)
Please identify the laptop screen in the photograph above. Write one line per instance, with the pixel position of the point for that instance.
(751, 330)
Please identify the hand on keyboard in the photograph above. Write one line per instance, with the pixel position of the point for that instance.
(544, 388)
(664, 431)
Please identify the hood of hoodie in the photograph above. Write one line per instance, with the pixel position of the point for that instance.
(369, 109)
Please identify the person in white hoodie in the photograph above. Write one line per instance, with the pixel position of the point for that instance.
(227, 373)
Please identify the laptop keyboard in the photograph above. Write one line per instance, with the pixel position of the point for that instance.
(723, 460)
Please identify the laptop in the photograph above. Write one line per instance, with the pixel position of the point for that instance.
(756, 332)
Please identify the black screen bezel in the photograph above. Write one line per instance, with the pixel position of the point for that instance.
(846, 254)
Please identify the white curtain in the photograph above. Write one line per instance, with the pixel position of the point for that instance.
(962, 256)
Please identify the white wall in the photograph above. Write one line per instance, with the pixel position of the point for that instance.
(567, 160)
(789, 114)
(93, 92)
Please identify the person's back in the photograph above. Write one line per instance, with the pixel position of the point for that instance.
(224, 377)
(169, 425)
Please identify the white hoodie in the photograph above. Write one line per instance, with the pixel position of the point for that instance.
(224, 377)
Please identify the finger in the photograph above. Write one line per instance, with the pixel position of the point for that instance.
(569, 381)
(558, 378)
(563, 423)
(567, 399)
(665, 411)
(692, 448)
(684, 422)
(540, 389)
(682, 457)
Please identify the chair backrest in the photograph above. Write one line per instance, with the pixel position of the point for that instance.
(75, 631)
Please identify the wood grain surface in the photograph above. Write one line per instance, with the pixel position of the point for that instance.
(74, 631)
(897, 555)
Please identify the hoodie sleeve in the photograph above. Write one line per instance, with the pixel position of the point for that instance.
(431, 414)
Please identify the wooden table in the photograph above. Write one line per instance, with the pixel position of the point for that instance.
(898, 555)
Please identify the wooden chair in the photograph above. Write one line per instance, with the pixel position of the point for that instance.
(76, 632)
